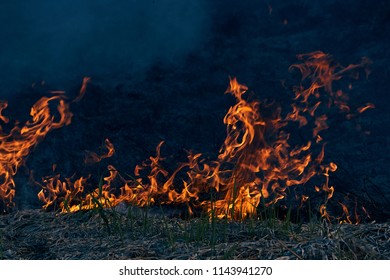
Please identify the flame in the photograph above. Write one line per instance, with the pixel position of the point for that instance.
(3, 105)
(257, 162)
(17, 144)
(83, 89)
(347, 218)
(69, 194)
(366, 107)
(92, 157)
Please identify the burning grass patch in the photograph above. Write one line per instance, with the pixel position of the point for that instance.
(267, 194)
(269, 157)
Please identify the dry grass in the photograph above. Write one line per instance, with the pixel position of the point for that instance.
(142, 234)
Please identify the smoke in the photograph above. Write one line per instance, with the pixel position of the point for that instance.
(64, 40)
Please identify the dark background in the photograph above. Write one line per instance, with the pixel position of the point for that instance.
(159, 70)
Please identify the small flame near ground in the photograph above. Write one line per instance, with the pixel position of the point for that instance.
(257, 164)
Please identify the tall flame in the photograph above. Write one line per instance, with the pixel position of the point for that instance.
(16, 144)
(257, 163)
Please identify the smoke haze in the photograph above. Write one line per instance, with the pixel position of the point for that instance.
(61, 41)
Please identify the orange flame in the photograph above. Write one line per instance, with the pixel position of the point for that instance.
(16, 145)
(92, 157)
(83, 89)
(256, 163)
(366, 107)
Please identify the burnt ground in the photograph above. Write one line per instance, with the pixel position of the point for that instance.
(33, 234)
(182, 102)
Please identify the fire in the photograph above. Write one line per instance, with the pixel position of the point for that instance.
(83, 89)
(259, 162)
(17, 144)
(69, 194)
(366, 107)
(92, 157)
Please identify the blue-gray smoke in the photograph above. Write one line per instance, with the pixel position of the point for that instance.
(63, 40)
